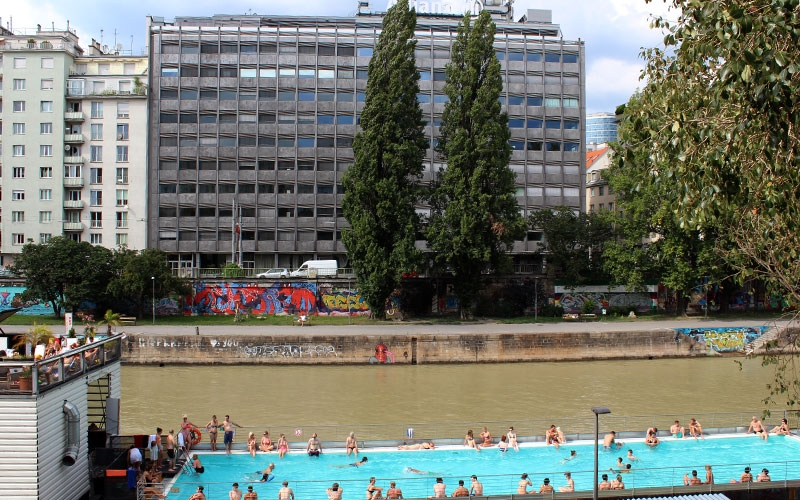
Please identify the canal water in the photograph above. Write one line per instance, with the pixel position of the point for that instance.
(385, 401)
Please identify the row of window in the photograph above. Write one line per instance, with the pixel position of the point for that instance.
(105, 68)
(46, 128)
(268, 235)
(22, 62)
(264, 213)
(95, 196)
(95, 218)
(566, 146)
(549, 123)
(72, 171)
(95, 152)
(264, 141)
(18, 239)
(123, 108)
(20, 84)
(20, 106)
(263, 187)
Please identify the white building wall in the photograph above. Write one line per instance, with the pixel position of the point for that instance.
(18, 448)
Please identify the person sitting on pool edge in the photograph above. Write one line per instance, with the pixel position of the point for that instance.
(250, 495)
(546, 487)
(763, 477)
(198, 495)
(419, 446)
(652, 437)
(570, 486)
(461, 491)
(604, 484)
(617, 483)
(373, 491)
(439, 489)
(394, 493)
(334, 492)
(677, 430)
(745, 478)
(692, 481)
(782, 429)
(314, 447)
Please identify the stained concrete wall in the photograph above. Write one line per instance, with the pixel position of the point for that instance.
(361, 349)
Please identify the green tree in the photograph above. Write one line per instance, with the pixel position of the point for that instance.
(573, 244)
(134, 273)
(64, 272)
(110, 319)
(380, 189)
(475, 217)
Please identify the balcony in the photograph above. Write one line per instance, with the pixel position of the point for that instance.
(73, 138)
(73, 181)
(73, 204)
(73, 226)
(74, 159)
(74, 116)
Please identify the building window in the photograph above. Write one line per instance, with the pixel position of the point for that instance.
(122, 132)
(125, 87)
(104, 69)
(20, 63)
(96, 220)
(128, 68)
(72, 171)
(18, 84)
(47, 106)
(45, 172)
(46, 150)
(95, 198)
(45, 216)
(96, 175)
(97, 109)
(122, 175)
(18, 106)
(47, 63)
(18, 128)
(122, 154)
(96, 239)
(18, 150)
(44, 237)
(97, 131)
(18, 172)
(47, 84)
(18, 239)
(600, 191)
(122, 197)
(122, 220)
(45, 194)
(123, 110)
(45, 128)
(17, 216)
(122, 239)
(18, 195)
(95, 153)
(74, 195)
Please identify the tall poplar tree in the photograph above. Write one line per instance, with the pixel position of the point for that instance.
(474, 216)
(380, 187)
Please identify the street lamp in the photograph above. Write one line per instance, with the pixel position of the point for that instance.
(153, 278)
(535, 300)
(597, 410)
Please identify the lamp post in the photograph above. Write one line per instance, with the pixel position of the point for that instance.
(153, 279)
(597, 410)
(535, 299)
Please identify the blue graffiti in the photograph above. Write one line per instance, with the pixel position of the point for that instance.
(725, 339)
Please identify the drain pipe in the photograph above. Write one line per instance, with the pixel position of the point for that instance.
(73, 433)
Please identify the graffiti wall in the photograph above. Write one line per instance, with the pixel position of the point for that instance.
(10, 297)
(727, 339)
(572, 300)
(278, 298)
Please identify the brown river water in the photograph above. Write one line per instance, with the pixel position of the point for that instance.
(383, 401)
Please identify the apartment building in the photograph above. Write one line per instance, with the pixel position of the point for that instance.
(69, 120)
(252, 120)
(598, 191)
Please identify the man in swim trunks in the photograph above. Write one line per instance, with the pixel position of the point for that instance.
(695, 429)
(266, 472)
(314, 447)
(334, 492)
(227, 426)
(286, 493)
(677, 430)
(439, 489)
(546, 487)
(631, 456)
(610, 440)
(477, 487)
(351, 445)
(691, 481)
(604, 484)
(461, 491)
(757, 428)
(551, 436)
(196, 465)
(235, 493)
(250, 495)
(171, 448)
(394, 493)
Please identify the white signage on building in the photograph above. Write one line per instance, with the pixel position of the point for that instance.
(451, 7)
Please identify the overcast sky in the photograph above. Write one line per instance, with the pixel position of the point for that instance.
(614, 30)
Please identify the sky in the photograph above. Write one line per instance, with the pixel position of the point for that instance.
(614, 31)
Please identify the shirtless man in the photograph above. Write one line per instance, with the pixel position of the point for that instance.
(522, 486)
(227, 426)
(551, 435)
(546, 487)
(250, 495)
(314, 447)
(476, 489)
(439, 489)
(604, 484)
(570, 486)
(631, 456)
(757, 428)
(351, 444)
(266, 472)
(692, 481)
(709, 476)
(394, 493)
(198, 495)
(235, 493)
(461, 491)
(285, 492)
(677, 430)
(695, 429)
(617, 483)
(746, 477)
(763, 477)
(610, 440)
(334, 492)
(171, 448)
(652, 438)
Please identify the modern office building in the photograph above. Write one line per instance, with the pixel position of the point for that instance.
(253, 119)
(600, 128)
(73, 142)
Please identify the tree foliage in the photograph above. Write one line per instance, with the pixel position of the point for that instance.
(474, 216)
(380, 187)
(133, 277)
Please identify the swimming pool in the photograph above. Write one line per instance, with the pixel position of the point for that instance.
(663, 465)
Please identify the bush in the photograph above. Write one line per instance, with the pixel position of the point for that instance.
(588, 307)
(232, 270)
(551, 311)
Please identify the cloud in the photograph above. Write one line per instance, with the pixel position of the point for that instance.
(610, 82)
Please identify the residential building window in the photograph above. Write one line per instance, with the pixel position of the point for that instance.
(18, 106)
(45, 216)
(18, 238)
(45, 194)
(600, 190)
(18, 195)
(47, 84)
(18, 172)
(122, 131)
(123, 110)
(18, 128)
(18, 84)
(95, 198)
(128, 68)
(121, 239)
(98, 87)
(122, 197)
(96, 239)
(125, 86)
(47, 63)
(17, 216)
(46, 150)
(20, 63)
(45, 172)
(122, 175)
(47, 106)
(122, 220)
(44, 237)
(74, 195)
(104, 69)
(122, 154)
(72, 171)
(97, 131)
(97, 109)
(95, 153)
(45, 128)
(96, 175)
(80, 69)
(96, 220)
(18, 150)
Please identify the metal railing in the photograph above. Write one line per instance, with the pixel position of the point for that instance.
(34, 377)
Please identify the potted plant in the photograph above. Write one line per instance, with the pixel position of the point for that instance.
(110, 319)
(37, 334)
(31, 43)
(26, 379)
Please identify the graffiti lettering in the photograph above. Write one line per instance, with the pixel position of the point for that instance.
(724, 339)
(289, 351)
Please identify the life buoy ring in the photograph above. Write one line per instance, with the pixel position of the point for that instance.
(195, 435)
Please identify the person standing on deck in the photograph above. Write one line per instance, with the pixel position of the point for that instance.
(227, 426)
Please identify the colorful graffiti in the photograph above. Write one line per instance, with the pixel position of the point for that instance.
(572, 301)
(10, 296)
(279, 298)
(725, 339)
(382, 355)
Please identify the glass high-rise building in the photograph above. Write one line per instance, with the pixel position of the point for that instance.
(253, 119)
(600, 128)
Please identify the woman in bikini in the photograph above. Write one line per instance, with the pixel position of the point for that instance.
(186, 430)
(469, 440)
(283, 446)
(487, 437)
(783, 428)
(211, 427)
(512, 439)
(266, 443)
(251, 444)
(373, 491)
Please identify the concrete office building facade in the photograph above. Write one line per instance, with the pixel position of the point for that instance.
(253, 119)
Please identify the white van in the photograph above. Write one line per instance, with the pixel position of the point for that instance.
(315, 268)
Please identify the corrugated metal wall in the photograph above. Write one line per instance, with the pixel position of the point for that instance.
(18, 447)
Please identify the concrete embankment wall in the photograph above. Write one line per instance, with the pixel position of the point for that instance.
(413, 349)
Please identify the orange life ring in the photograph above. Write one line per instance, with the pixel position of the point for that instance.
(195, 435)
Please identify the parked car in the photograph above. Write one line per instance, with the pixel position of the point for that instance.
(278, 272)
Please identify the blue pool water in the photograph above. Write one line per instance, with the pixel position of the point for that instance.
(664, 465)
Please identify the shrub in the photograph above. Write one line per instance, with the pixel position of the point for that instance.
(551, 311)
(588, 307)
